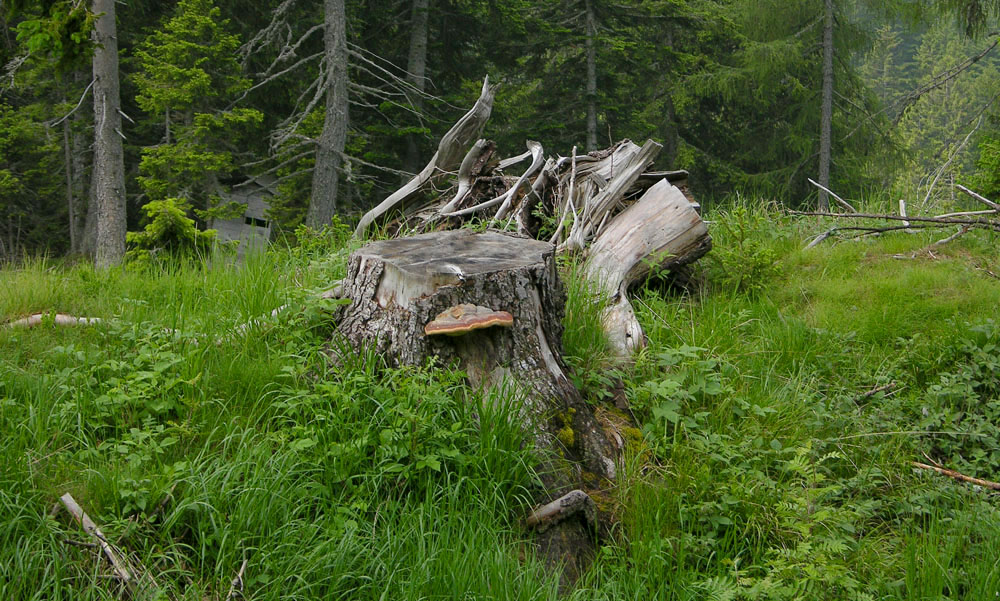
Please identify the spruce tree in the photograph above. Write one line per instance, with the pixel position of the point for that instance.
(188, 76)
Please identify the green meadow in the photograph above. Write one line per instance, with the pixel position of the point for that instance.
(774, 420)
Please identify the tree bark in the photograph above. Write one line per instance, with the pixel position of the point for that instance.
(416, 70)
(826, 111)
(79, 147)
(670, 134)
(591, 78)
(330, 148)
(398, 286)
(109, 168)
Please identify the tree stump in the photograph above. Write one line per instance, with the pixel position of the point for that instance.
(397, 287)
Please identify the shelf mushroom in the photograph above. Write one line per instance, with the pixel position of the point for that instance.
(464, 318)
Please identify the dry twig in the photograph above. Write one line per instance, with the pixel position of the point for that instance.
(236, 588)
(118, 565)
(958, 476)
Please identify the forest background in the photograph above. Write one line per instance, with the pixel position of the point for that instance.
(778, 422)
(335, 103)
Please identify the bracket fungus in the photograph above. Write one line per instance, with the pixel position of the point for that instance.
(464, 318)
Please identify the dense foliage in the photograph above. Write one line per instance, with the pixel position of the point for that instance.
(218, 93)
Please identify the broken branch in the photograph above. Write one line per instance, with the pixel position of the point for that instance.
(839, 200)
(949, 221)
(979, 197)
(958, 476)
(121, 571)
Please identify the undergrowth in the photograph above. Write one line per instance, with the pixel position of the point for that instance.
(777, 409)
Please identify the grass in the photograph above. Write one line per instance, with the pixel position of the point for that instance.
(758, 468)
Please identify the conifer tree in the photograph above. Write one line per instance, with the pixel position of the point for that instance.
(188, 75)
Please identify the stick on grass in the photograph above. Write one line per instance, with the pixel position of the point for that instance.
(119, 567)
(958, 476)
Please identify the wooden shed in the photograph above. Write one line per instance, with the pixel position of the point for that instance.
(253, 228)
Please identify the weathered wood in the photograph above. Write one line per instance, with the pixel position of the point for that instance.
(957, 475)
(595, 211)
(451, 149)
(59, 319)
(536, 162)
(843, 203)
(468, 170)
(979, 197)
(661, 231)
(397, 287)
(575, 502)
(119, 567)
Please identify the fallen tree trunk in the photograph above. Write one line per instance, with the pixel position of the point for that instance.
(661, 231)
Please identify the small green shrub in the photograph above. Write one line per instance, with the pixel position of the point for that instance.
(677, 400)
(963, 400)
(169, 231)
(743, 258)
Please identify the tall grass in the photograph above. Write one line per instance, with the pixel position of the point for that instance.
(759, 468)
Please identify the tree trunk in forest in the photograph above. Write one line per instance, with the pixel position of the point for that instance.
(826, 111)
(397, 287)
(88, 242)
(670, 136)
(591, 78)
(330, 148)
(416, 70)
(79, 147)
(70, 197)
(109, 168)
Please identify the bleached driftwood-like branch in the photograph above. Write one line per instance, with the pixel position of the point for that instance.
(120, 568)
(59, 319)
(452, 148)
(979, 197)
(465, 173)
(843, 203)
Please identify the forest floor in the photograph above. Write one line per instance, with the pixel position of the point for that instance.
(779, 408)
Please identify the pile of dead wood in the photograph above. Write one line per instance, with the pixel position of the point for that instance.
(609, 206)
(489, 298)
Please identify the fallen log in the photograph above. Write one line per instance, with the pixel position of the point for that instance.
(660, 231)
(59, 319)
